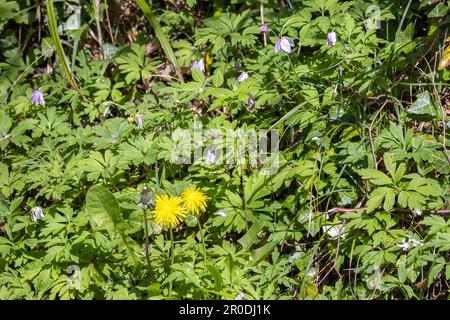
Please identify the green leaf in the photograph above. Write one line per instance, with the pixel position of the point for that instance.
(260, 253)
(423, 105)
(377, 197)
(217, 78)
(197, 75)
(105, 209)
(216, 275)
(390, 164)
(375, 176)
(252, 234)
(389, 200)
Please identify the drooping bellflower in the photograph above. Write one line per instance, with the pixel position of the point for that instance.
(240, 296)
(331, 38)
(250, 100)
(238, 65)
(140, 122)
(211, 156)
(37, 98)
(243, 76)
(284, 44)
(199, 65)
(37, 213)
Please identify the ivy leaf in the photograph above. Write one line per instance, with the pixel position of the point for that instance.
(423, 105)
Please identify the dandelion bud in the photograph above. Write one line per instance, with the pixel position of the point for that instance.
(146, 198)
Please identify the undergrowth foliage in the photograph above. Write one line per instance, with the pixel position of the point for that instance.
(109, 191)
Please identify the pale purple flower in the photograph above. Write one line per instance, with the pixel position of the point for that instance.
(144, 247)
(211, 156)
(240, 296)
(284, 45)
(37, 213)
(140, 122)
(37, 98)
(243, 76)
(331, 38)
(250, 100)
(199, 65)
(264, 28)
(238, 65)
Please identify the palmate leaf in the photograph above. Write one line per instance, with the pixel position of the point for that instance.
(105, 210)
(377, 197)
(374, 176)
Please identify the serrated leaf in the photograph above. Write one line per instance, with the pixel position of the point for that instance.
(217, 78)
(375, 176)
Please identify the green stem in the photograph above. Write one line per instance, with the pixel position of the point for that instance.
(261, 12)
(172, 258)
(151, 275)
(202, 240)
(53, 28)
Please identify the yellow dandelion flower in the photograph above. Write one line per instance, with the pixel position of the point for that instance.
(194, 200)
(169, 211)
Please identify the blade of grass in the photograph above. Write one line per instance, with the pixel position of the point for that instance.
(154, 23)
(96, 5)
(57, 41)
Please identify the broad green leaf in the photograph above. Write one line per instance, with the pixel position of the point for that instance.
(375, 176)
(105, 209)
(250, 237)
(423, 105)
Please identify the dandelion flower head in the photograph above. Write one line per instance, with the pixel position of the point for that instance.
(194, 200)
(169, 211)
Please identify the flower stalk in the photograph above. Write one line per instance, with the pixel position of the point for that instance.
(151, 275)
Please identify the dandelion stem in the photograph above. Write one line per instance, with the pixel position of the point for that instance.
(202, 240)
(172, 258)
(151, 275)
